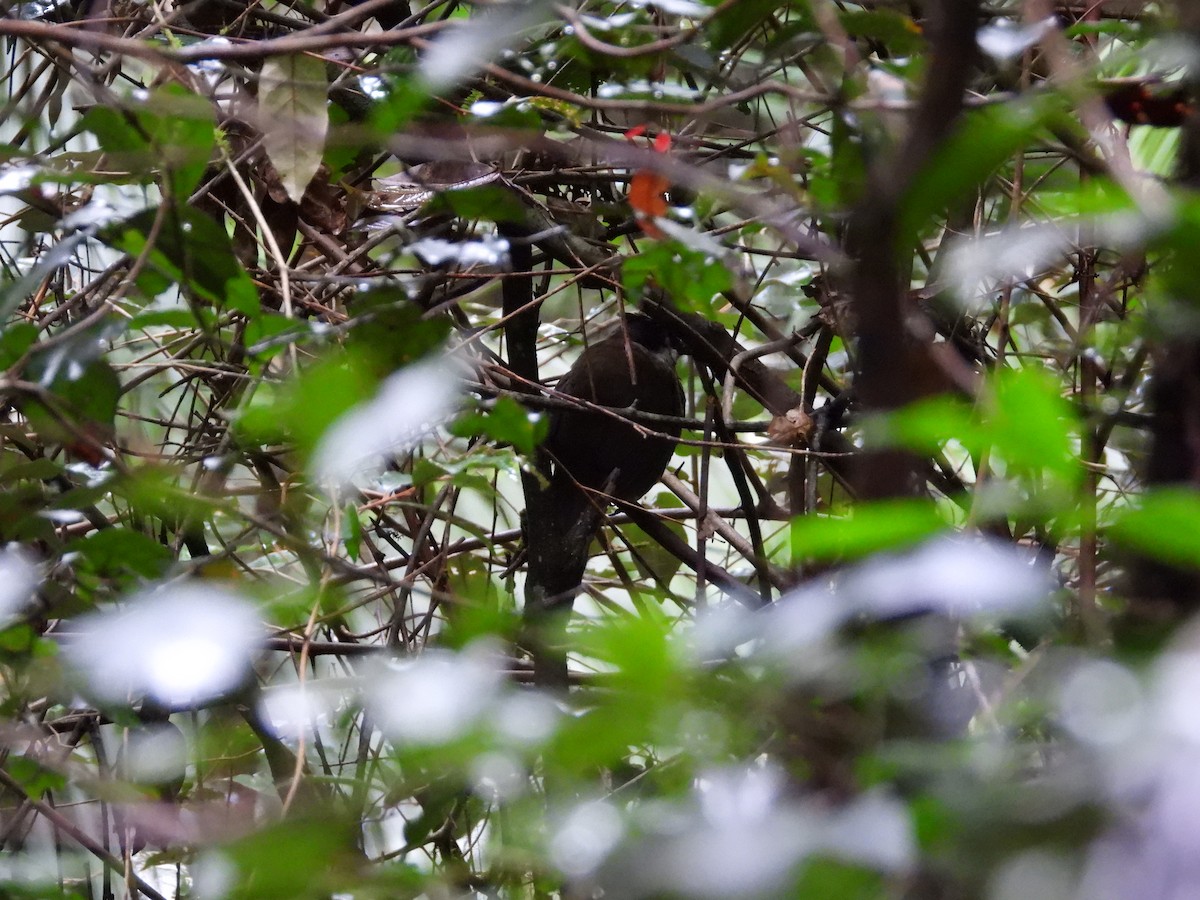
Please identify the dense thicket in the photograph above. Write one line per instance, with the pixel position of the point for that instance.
(285, 292)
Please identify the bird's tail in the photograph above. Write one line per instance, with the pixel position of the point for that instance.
(564, 519)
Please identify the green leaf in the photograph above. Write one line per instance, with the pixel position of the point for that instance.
(18, 641)
(392, 331)
(824, 877)
(182, 129)
(870, 527)
(119, 136)
(516, 116)
(847, 164)
(507, 421)
(983, 141)
(155, 491)
(192, 250)
(573, 114)
(33, 470)
(925, 426)
(33, 777)
(86, 397)
(158, 318)
(1165, 525)
(899, 32)
(1093, 197)
(654, 563)
(293, 106)
(425, 471)
(270, 333)
(1022, 418)
(601, 736)
(489, 202)
(737, 20)
(1179, 270)
(406, 99)
(113, 551)
(302, 409)
(352, 531)
(1031, 425)
(173, 130)
(639, 651)
(90, 393)
(15, 341)
(691, 277)
(297, 858)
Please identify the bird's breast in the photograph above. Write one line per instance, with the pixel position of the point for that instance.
(591, 444)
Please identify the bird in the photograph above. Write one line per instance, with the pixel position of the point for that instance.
(591, 456)
(632, 368)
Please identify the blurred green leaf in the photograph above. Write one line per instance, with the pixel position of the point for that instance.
(1023, 419)
(691, 278)
(17, 642)
(191, 250)
(489, 202)
(901, 35)
(1164, 524)
(305, 857)
(984, 139)
(869, 528)
(302, 409)
(84, 406)
(114, 551)
(34, 778)
(1093, 197)
(352, 531)
(847, 162)
(737, 20)
(639, 652)
(156, 491)
(506, 421)
(391, 330)
(159, 318)
(426, 472)
(171, 130)
(35, 470)
(517, 116)
(823, 877)
(15, 341)
(925, 426)
(406, 98)
(1030, 424)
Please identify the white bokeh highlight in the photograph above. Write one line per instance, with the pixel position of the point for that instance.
(742, 835)
(1004, 40)
(438, 697)
(19, 579)
(973, 578)
(179, 645)
(459, 52)
(408, 406)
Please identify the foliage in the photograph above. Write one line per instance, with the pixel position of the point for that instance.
(929, 633)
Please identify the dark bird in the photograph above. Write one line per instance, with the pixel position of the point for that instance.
(600, 450)
(595, 454)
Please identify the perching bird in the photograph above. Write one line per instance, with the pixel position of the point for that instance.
(594, 454)
(600, 450)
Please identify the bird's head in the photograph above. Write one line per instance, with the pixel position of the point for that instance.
(650, 334)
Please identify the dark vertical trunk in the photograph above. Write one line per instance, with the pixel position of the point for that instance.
(1161, 594)
(890, 356)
